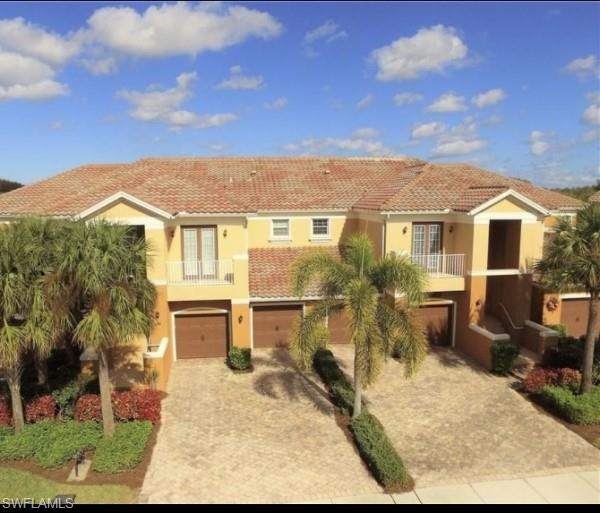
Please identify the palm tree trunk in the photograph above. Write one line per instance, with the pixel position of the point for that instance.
(357, 389)
(108, 419)
(13, 379)
(590, 341)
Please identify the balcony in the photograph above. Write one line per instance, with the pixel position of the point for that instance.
(441, 266)
(200, 272)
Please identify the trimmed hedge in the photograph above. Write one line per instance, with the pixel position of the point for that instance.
(327, 368)
(377, 451)
(50, 444)
(240, 358)
(537, 379)
(138, 404)
(40, 408)
(504, 355)
(125, 450)
(373, 444)
(576, 408)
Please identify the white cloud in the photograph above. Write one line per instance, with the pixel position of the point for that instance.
(23, 70)
(591, 115)
(407, 98)
(490, 97)
(593, 96)
(277, 104)
(217, 147)
(423, 130)
(364, 102)
(591, 135)
(178, 29)
(430, 50)
(43, 90)
(461, 139)
(238, 81)
(583, 67)
(25, 38)
(101, 66)
(537, 144)
(448, 102)
(492, 120)
(163, 105)
(328, 32)
(56, 125)
(362, 141)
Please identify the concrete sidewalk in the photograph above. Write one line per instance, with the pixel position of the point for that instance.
(566, 488)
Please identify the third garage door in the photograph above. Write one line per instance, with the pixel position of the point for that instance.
(201, 336)
(272, 325)
(437, 321)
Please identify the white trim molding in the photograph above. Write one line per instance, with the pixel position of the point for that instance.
(545, 332)
(497, 272)
(150, 223)
(240, 301)
(574, 295)
(240, 257)
(505, 194)
(123, 196)
(160, 352)
(495, 337)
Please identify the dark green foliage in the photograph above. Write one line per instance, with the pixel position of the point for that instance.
(582, 193)
(574, 407)
(8, 185)
(240, 358)
(569, 353)
(125, 449)
(327, 368)
(378, 452)
(67, 396)
(504, 355)
(50, 444)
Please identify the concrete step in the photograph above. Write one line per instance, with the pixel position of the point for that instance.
(525, 362)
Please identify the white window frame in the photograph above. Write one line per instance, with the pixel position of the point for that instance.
(281, 237)
(319, 236)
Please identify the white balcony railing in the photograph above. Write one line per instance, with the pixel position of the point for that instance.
(200, 272)
(440, 265)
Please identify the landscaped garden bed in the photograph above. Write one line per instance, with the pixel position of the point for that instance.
(367, 433)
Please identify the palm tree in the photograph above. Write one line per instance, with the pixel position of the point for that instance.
(357, 284)
(26, 319)
(102, 274)
(573, 260)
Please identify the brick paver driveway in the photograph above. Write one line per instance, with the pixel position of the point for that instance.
(269, 436)
(454, 422)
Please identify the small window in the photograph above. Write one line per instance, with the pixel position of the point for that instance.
(320, 228)
(280, 228)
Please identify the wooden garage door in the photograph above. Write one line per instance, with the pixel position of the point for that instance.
(339, 328)
(272, 325)
(437, 321)
(201, 336)
(574, 315)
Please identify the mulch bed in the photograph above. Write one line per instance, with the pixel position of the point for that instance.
(590, 433)
(130, 478)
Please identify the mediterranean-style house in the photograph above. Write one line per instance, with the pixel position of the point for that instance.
(225, 231)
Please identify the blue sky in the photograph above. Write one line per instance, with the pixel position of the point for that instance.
(511, 87)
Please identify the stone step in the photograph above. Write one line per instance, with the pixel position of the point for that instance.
(525, 362)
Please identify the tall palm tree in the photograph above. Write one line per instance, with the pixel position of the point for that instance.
(26, 319)
(573, 260)
(102, 274)
(356, 284)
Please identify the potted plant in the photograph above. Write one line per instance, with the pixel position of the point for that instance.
(240, 359)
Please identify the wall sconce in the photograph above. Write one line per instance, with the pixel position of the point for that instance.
(172, 232)
(451, 228)
(404, 230)
(225, 232)
(240, 319)
(157, 315)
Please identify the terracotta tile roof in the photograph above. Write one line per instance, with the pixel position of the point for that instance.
(248, 184)
(595, 197)
(270, 270)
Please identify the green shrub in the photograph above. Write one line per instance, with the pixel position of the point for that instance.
(561, 329)
(67, 395)
(504, 355)
(125, 449)
(576, 408)
(50, 444)
(378, 452)
(327, 368)
(5, 431)
(240, 358)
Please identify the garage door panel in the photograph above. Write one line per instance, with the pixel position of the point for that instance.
(574, 315)
(272, 325)
(437, 323)
(339, 327)
(201, 336)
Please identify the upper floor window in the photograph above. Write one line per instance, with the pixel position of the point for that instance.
(320, 228)
(280, 229)
(426, 238)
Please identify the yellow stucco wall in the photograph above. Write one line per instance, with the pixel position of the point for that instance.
(374, 230)
(508, 204)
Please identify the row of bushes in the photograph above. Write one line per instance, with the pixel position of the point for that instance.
(373, 444)
(569, 353)
(52, 444)
(138, 404)
(574, 407)
(537, 379)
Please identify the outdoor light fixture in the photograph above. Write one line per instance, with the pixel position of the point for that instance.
(451, 228)
(404, 230)
(225, 232)
(240, 319)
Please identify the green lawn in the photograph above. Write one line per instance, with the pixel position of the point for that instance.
(20, 484)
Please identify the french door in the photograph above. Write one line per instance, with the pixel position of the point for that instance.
(199, 252)
(427, 246)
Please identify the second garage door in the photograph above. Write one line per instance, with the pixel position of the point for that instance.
(272, 325)
(574, 315)
(201, 336)
(437, 321)
(340, 331)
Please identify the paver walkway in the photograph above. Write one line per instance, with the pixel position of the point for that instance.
(269, 436)
(454, 422)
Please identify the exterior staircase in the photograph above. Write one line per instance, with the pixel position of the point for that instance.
(525, 362)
